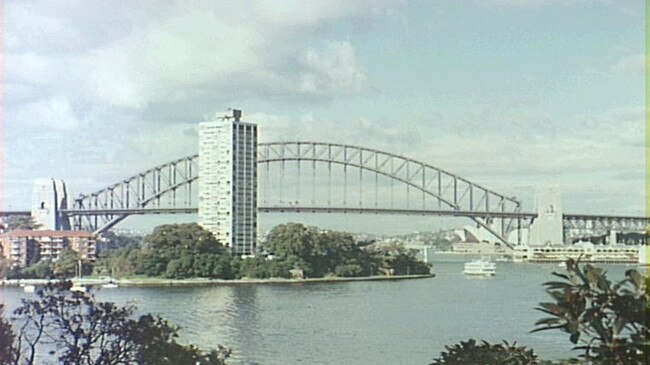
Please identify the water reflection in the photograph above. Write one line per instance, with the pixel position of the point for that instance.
(405, 322)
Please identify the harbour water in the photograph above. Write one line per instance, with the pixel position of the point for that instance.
(401, 322)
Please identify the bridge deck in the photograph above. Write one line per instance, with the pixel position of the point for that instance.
(351, 210)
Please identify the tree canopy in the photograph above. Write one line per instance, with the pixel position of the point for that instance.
(180, 251)
(75, 329)
(320, 252)
(16, 222)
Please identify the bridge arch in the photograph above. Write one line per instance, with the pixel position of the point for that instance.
(454, 191)
(163, 185)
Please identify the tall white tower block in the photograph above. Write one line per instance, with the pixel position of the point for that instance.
(228, 182)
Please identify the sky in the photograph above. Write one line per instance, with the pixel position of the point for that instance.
(511, 94)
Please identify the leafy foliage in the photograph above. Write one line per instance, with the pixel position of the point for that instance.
(472, 353)
(607, 321)
(42, 269)
(6, 340)
(400, 261)
(76, 329)
(67, 265)
(319, 253)
(260, 268)
(179, 251)
(16, 222)
(111, 241)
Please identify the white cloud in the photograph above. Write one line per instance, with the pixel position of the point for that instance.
(350, 130)
(585, 153)
(56, 113)
(631, 64)
(334, 70)
(112, 71)
(182, 51)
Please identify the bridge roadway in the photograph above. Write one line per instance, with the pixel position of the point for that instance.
(297, 209)
(342, 210)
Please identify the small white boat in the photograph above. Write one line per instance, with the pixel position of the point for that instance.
(29, 288)
(110, 285)
(78, 288)
(111, 282)
(562, 265)
(481, 267)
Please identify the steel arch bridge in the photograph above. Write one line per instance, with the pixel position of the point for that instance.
(170, 188)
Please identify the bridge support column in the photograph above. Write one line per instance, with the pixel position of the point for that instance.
(48, 198)
(548, 227)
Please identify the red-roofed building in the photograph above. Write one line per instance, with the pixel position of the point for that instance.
(25, 247)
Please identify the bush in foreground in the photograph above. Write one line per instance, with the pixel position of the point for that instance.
(73, 328)
(471, 352)
(606, 322)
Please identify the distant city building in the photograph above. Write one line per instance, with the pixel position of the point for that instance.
(49, 196)
(25, 247)
(228, 182)
(583, 251)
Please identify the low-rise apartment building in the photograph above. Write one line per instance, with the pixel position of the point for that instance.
(24, 247)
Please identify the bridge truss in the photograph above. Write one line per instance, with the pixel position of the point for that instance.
(320, 177)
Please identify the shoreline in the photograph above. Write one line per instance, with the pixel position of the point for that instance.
(158, 282)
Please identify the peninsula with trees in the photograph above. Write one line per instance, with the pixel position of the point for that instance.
(187, 251)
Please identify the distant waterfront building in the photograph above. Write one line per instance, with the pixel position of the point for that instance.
(228, 182)
(25, 247)
(584, 251)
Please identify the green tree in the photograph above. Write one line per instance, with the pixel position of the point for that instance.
(225, 267)
(7, 353)
(173, 242)
(42, 269)
(67, 265)
(111, 241)
(401, 261)
(607, 321)
(180, 268)
(472, 353)
(123, 261)
(75, 329)
(5, 266)
(20, 222)
(348, 270)
(291, 239)
(319, 253)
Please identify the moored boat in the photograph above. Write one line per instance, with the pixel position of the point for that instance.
(110, 285)
(75, 285)
(29, 288)
(78, 288)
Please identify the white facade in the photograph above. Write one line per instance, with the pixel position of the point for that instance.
(547, 228)
(48, 197)
(228, 183)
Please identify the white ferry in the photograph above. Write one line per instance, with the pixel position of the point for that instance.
(480, 267)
